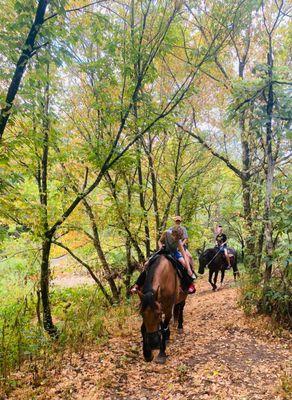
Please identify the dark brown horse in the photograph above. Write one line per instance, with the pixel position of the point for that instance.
(216, 261)
(160, 293)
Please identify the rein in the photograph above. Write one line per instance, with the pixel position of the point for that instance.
(207, 265)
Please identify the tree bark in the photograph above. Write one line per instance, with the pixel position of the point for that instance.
(43, 193)
(47, 316)
(89, 269)
(26, 54)
(142, 203)
(100, 253)
(269, 171)
(130, 267)
(148, 151)
(134, 242)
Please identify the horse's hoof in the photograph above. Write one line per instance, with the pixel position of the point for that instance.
(160, 359)
(180, 331)
(148, 359)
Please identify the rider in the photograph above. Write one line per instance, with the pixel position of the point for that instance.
(177, 219)
(172, 242)
(221, 242)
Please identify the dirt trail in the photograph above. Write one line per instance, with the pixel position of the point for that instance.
(221, 355)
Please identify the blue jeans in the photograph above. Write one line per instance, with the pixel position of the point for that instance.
(177, 255)
(221, 248)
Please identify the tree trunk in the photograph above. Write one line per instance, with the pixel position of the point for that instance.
(26, 54)
(43, 193)
(269, 171)
(130, 267)
(100, 252)
(250, 256)
(134, 242)
(142, 204)
(260, 245)
(47, 316)
(148, 151)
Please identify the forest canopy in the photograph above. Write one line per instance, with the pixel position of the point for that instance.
(116, 116)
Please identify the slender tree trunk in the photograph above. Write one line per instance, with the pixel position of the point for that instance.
(250, 259)
(89, 269)
(47, 316)
(148, 151)
(260, 245)
(178, 203)
(142, 202)
(130, 267)
(269, 170)
(100, 252)
(43, 193)
(26, 54)
(134, 242)
(173, 189)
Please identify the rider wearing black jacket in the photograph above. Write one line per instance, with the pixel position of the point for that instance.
(221, 242)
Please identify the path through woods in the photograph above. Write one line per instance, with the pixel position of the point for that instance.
(221, 355)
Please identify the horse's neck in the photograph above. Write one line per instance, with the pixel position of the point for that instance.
(162, 281)
(211, 253)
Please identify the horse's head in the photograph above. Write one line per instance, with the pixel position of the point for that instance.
(151, 313)
(202, 261)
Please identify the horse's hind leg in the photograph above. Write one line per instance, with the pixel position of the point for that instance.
(210, 279)
(215, 280)
(181, 316)
(176, 313)
(222, 276)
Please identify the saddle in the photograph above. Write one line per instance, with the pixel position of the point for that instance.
(182, 273)
(229, 251)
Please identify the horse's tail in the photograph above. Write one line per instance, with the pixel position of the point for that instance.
(235, 267)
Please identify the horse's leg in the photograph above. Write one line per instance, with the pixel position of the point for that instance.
(235, 269)
(222, 275)
(147, 352)
(176, 313)
(215, 279)
(165, 333)
(181, 316)
(210, 278)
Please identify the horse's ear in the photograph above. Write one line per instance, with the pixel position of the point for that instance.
(199, 251)
(156, 294)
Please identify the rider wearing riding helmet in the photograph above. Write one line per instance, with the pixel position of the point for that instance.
(221, 242)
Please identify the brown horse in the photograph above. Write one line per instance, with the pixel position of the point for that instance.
(160, 293)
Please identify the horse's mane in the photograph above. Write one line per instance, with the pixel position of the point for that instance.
(148, 292)
(210, 252)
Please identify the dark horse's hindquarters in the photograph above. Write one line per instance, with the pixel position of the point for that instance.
(216, 262)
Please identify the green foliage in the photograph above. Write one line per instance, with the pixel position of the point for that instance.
(81, 316)
(274, 299)
(80, 90)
